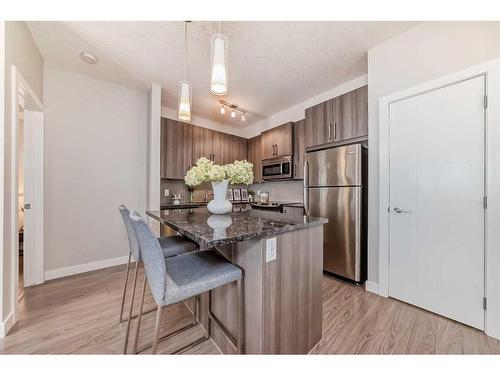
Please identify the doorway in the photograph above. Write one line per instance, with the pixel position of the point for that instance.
(436, 207)
(26, 200)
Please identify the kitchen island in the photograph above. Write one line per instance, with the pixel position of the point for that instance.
(282, 261)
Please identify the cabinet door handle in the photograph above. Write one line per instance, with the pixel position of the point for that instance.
(335, 130)
(330, 131)
(276, 150)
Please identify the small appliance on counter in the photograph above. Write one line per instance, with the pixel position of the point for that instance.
(273, 206)
(176, 199)
(264, 198)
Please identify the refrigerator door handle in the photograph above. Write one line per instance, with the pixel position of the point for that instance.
(306, 192)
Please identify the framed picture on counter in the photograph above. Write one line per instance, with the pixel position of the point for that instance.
(237, 194)
(244, 195)
(230, 195)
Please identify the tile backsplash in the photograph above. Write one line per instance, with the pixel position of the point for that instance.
(290, 191)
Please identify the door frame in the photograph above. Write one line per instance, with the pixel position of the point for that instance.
(22, 93)
(491, 71)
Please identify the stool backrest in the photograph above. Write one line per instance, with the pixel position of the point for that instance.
(132, 237)
(152, 257)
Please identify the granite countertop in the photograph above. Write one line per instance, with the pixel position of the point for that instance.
(211, 230)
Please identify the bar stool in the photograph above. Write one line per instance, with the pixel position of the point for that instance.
(170, 246)
(176, 279)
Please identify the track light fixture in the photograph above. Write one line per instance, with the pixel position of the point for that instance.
(234, 108)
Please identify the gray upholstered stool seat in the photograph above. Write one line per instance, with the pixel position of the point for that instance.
(176, 245)
(192, 274)
(170, 246)
(175, 279)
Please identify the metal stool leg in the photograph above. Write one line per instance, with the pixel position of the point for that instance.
(139, 316)
(157, 329)
(174, 333)
(125, 287)
(131, 308)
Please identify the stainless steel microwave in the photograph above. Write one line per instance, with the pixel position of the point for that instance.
(277, 169)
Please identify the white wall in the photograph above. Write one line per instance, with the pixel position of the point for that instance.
(95, 160)
(424, 52)
(21, 51)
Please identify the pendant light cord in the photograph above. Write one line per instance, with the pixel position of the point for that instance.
(185, 49)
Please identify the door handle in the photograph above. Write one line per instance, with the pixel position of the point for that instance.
(276, 150)
(335, 130)
(306, 191)
(27, 206)
(400, 210)
(330, 131)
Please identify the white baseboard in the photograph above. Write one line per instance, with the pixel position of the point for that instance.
(6, 325)
(371, 287)
(80, 268)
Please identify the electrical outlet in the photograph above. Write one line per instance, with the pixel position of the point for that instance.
(270, 249)
(166, 193)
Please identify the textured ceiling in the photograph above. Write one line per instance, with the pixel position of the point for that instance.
(272, 65)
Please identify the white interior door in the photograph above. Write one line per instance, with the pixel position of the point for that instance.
(33, 198)
(437, 179)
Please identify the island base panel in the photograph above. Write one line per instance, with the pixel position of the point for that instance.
(282, 298)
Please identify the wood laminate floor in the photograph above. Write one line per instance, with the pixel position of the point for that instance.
(79, 314)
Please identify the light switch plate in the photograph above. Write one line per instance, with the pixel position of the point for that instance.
(166, 193)
(270, 249)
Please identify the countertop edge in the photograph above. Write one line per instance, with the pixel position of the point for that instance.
(245, 237)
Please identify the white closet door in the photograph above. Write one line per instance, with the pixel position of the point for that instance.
(437, 179)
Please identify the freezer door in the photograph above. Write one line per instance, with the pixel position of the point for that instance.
(338, 166)
(342, 234)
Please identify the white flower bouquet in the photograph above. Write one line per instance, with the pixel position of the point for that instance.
(239, 172)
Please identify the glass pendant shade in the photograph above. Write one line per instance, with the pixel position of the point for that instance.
(184, 101)
(218, 83)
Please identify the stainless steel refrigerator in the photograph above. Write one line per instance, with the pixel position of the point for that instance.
(335, 187)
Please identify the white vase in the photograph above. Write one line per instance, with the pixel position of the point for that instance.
(219, 205)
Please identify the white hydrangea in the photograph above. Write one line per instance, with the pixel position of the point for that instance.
(216, 173)
(239, 172)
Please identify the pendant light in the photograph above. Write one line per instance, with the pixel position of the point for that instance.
(184, 85)
(218, 57)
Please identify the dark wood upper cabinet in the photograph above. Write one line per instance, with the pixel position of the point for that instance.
(231, 148)
(176, 149)
(202, 143)
(267, 145)
(338, 119)
(318, 123)
(219, 147)
(298, 149)
(351, 114)
(255, 157)
(277, 142)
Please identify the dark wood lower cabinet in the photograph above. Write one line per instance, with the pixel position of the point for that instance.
(282, 298)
